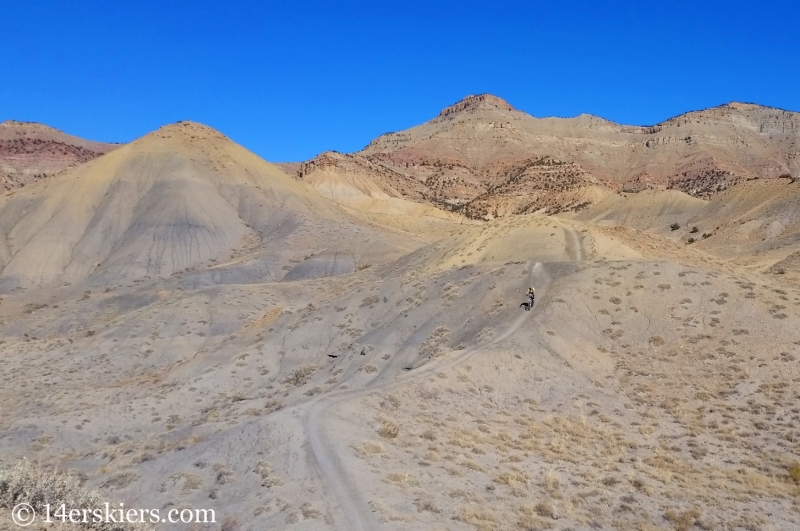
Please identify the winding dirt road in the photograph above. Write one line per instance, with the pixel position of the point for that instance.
(355, 511)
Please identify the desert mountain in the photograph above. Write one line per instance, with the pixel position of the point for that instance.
(29, 152)
(484, 156)
(177, 198)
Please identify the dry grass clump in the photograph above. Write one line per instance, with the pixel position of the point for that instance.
(24, 483)
(402, 478)
(473, 465)
(481, 519)
(529, 521)
(682, 521)
(369, 448)
(389, 430)
(551, 482)
(512, 478)
(191, 482)
(432, 455)
(547, 509)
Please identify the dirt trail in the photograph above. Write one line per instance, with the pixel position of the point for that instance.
(353, 508)
(573, 242)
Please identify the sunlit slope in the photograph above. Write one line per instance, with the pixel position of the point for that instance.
(169, 201)
(755, 222)
(649, 209)
(528, 237)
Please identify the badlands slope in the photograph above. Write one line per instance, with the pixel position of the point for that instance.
(179, 198)
(243, 341)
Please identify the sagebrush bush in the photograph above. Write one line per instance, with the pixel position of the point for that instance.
(25, 483)
(389, 430)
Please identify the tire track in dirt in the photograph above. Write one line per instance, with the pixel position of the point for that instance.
(573, 242)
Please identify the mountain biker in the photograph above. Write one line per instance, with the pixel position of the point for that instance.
(531, 294)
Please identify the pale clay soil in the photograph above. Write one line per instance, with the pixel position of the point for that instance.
(652, 387)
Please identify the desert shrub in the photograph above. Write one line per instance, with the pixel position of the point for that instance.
(389, 430)
(429, 434)
(682, 521)
(309, 512)
(301, 375)
(657, 341)
(674, 226)
(694, 230)
(794, 473)
(231, 523)
(24, 483)
(690, 240)
(425, 504)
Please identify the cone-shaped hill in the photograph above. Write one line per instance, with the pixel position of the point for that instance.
(180, 197)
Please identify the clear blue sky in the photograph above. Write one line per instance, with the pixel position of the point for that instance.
(290, 79)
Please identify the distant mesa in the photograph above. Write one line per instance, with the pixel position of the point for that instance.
(31, 152)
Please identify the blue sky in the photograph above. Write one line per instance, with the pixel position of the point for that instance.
(291, 79)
